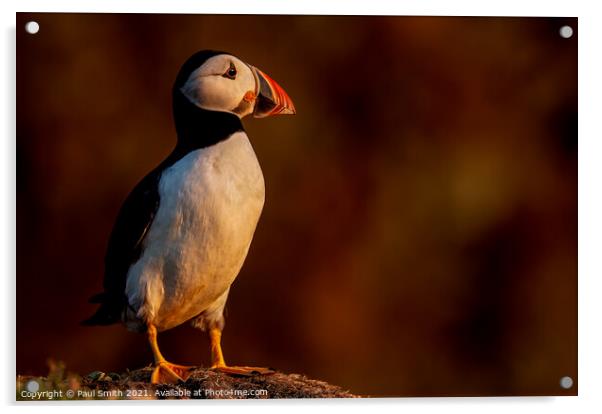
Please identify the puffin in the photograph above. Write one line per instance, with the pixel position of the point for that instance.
(183, 233)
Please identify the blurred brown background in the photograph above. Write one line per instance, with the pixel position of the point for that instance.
(420, 229)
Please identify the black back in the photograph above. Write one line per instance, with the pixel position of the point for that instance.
(196, 128)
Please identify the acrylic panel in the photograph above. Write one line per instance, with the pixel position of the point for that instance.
(419, 230)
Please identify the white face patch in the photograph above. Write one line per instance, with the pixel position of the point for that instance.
(209, 87)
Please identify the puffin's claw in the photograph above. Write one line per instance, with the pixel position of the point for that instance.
(244, 371)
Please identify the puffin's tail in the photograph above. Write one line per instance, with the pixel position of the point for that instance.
(109, 311)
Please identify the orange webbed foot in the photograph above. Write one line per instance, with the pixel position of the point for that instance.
(168, 373)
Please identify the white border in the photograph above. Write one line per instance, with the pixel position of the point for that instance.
(590, 185)
(372, 7)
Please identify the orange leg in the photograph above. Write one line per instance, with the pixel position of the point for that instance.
(165, 372)
(218, 363)
(217, 358)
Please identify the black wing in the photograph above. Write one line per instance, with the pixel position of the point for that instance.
(125, 248)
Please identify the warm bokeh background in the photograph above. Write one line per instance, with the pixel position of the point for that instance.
(420, 230)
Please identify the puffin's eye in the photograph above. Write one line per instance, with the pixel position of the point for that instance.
(231, 72)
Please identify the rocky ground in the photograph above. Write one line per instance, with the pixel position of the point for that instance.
(203, 384)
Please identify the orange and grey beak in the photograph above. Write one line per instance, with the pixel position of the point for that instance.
(271, 98)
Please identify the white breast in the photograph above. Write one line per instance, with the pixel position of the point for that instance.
(210, 202)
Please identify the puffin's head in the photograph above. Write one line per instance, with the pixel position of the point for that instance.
(218, 81)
